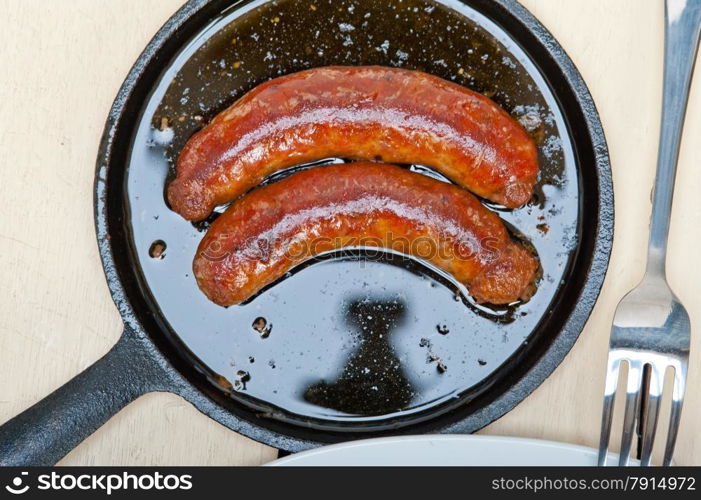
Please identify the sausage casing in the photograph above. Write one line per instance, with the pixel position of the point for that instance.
(275, 227)
(363, 113)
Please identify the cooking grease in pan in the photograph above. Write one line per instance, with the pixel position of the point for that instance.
(359, 335)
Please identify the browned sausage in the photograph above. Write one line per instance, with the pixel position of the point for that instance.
(363, 113)
(271, 229)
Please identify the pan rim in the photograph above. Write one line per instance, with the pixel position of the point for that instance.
(552, 356)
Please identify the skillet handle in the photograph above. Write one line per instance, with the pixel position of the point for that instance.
(46, 432)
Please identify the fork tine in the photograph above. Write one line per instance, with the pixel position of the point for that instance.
(676, 413)
(612, 374)
(635, 370)
(652, 413)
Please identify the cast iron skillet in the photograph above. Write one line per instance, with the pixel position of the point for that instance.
(317, 379)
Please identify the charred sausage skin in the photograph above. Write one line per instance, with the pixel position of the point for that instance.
(362, 113)
(273, 228)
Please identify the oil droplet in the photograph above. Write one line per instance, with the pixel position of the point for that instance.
(157, 249)
(242, 377)
(165, 134)
(261, 325)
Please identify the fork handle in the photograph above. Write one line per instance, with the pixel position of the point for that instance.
(682, 28)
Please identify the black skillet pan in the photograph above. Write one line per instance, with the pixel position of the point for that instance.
(355, 344)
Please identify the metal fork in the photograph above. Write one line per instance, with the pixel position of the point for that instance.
(651, 328)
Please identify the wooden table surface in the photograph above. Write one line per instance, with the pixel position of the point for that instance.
(62, 64)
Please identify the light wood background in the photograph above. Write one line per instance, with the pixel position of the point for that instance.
(62, 64)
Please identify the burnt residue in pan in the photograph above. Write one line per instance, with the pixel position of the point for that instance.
(307, 366)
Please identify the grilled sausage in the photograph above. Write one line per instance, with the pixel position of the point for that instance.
(273, 228)
(362, 113)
